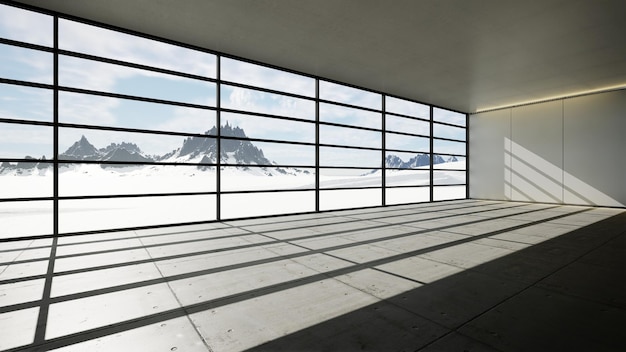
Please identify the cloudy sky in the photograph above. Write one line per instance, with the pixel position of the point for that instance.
(36, 104)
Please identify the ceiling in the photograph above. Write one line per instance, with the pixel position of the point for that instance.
(466, 55)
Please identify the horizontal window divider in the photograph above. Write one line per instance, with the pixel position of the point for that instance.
(350, 147)
(282, 190)
(27, 122)
(133, 97)
(26, 45)
(436, 169)
(350, 105)
(140, 195)
(407, 151)
(134, 130)
(270, 116)
(334, 124)
(130, 163)
(260, 114)
(449, 154)
(407, 134)
(269, 165)
(448, 124)
(425, 119)
(135, 65)
(267, 140)
(351, 167)
(449, 139)
(425, 168)
(18, 82)
(449, 185)
(26, 199)
(266, 90)
(19, 160)
(348, 188)
(409, 186)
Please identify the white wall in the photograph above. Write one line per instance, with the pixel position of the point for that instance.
(570, 151)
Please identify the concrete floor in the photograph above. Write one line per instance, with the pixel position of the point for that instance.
(462, 275)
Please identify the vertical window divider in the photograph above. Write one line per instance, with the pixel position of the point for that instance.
(317, 145)
(432, 155)
(55, 127)
(383, 151)
(467, 157)
(218, 146)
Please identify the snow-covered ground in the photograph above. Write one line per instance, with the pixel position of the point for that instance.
(35, 217)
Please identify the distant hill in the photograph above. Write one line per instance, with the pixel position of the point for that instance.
(196, 150)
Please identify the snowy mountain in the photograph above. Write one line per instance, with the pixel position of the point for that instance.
(236, 151)
(395, 162)
(204, 150)
(124, 152)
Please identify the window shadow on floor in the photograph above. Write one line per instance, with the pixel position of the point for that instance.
(567, 293)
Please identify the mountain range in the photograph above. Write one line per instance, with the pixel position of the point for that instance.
(196, 149)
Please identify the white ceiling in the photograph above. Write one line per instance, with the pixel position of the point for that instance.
(466, 55)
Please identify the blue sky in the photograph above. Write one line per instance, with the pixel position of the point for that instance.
(35, 104)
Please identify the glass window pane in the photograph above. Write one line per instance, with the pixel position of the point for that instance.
(451, 162)
(396, 160)
(94, 179)
(448, 116)
(350, 198)
(448, 147)
(449, 192)
(251, 100)
(407, 177)
(267, 128)
(271, 203)
(406, 195)
(19, 141)
(25, 179)
(265, 77)
(449, 177)
(350, 178)
(266, 178)
(444, 131)
(104, 77)
(330, 156)
(26, 64)
(349, 116)
(348, 95)
(86, 109)
(92, 40)
(409, 143)
(406, 107)
(350, 137)
(25, 219)
(77, 215)
(26, 26)
(406, 125)
(87, 144)
(25, 103)
(244, 152)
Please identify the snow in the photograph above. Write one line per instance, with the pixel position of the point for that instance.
(36, 217)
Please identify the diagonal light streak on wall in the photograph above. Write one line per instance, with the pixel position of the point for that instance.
(529, 177)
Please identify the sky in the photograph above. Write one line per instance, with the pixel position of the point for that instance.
(36, 104)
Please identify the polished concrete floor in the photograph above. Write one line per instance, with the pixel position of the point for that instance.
(462, 275)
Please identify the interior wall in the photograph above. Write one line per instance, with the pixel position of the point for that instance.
(566, 151)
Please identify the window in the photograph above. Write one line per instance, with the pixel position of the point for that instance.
(151, 132)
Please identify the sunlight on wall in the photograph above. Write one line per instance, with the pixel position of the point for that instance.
(529, 177)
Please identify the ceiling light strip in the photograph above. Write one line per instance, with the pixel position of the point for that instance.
(553, 98)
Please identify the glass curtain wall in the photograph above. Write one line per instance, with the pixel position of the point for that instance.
(102, 129)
